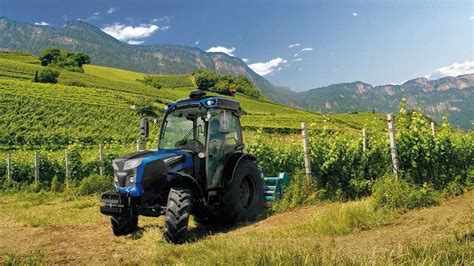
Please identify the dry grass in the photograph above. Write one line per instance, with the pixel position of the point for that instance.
(332, 233)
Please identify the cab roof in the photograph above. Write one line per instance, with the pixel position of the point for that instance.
(199, 99)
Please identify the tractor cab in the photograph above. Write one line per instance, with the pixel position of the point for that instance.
(206, 127)
(199, 169)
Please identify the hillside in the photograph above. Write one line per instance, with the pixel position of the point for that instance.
(82, 106)
(107, 51)
(72, 231)
(449, 96)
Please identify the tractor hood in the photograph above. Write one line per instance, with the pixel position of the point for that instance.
(134, 173)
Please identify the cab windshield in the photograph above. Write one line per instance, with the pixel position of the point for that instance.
(183, 125)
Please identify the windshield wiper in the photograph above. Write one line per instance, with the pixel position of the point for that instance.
(183, 141)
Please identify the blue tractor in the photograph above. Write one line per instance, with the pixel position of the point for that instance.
(199, 169)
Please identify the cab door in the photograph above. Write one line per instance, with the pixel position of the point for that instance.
(223, 137)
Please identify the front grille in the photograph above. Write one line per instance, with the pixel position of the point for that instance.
(114, 204)
(120, 175)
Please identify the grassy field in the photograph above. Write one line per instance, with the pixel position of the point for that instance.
(61, 229)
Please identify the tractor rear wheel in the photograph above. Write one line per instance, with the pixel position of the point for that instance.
(124, 225)
(177, 215)
(243, 198)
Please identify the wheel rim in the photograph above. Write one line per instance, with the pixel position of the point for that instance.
(247, 192)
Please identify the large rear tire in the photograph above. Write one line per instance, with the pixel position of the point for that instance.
(123, 225)
(177, 215)
(243, 198)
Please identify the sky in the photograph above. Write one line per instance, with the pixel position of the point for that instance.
(299, 44)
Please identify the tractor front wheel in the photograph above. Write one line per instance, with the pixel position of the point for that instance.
(177, 215)
(124, 225)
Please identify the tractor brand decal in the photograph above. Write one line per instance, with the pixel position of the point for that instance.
(173, 160)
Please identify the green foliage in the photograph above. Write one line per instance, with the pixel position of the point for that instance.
(425, 159)
(168, 81)
(225, 84)
(56, 186)
(95, 184)
(49, 56)
(392, 193)
(300, 192)
(37, 257)
(345, 218)
(46, 76)
(64, 59)
(146, 108)
(152, 81)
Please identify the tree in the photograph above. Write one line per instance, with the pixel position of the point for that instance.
(49, 56)
(47, 76)
(82, 59)
(64, 59)
(225, 84)
(205, 80)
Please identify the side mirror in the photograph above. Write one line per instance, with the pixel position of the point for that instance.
(224, 122)
(144, 127)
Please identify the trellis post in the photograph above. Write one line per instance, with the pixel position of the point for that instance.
(101, 158)
(66, 168)
(364, 140)
(433, 130)
(9, 165)
(139, 148)
(307, 163)
(393, 147)
(37, 165)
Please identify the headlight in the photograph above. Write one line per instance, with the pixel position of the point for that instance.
(131, 179)
(131, 164)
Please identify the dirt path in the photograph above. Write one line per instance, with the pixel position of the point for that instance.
(95, 244)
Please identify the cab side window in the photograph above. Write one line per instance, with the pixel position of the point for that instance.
(221, 144)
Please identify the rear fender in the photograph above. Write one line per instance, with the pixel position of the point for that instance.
(231, 165)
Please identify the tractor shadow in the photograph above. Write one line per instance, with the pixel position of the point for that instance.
(203, 231)
(199, 231)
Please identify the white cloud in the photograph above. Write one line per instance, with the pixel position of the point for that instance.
(42, 23)
(111, 10)
(307, 49)
(296, 55)
(300, 68)
(94, 16)
(355, 14)
(132, 42)
(264, 68)
(196, 42)
(165, 19)
(221, 49)
(167, 27)
(245, 60)
(455, 69)
(298, 59)
(471, 17)
(294, 45)
(130, 34)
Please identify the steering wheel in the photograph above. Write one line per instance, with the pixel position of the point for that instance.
(193, 144)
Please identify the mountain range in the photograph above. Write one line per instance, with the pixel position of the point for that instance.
(451, 96)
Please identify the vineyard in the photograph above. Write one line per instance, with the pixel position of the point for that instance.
(104, 107)
(49, 153)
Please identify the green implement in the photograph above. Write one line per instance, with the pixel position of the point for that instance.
(274, 186)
